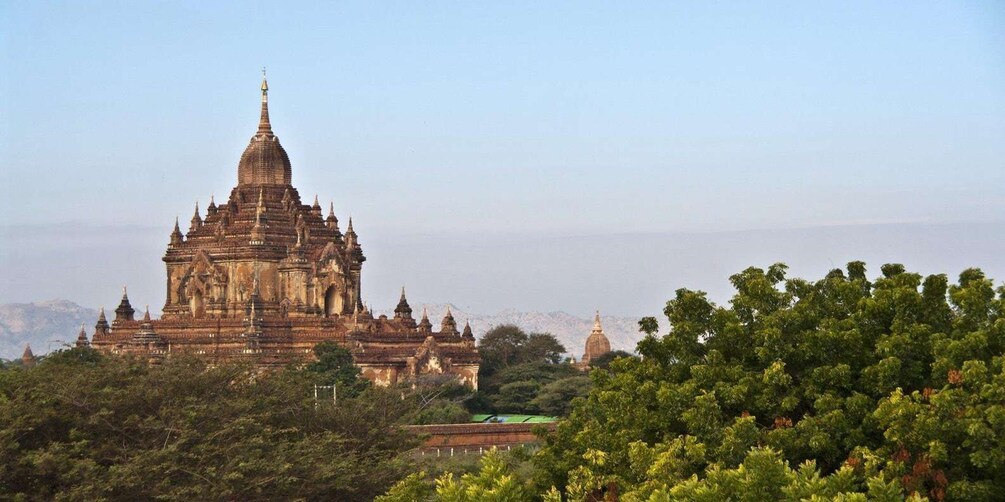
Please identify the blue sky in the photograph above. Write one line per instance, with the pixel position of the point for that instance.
(487, 119)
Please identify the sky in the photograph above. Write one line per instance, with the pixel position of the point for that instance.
(497, 123)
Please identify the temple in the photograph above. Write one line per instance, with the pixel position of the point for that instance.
(597, 345)
(264, 277)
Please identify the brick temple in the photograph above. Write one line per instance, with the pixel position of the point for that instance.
(264, 278)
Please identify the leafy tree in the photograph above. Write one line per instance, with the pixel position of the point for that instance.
(436, 399)
(889, 387)
(494, 482)
(500, 347)
(335, 366)
(516, 397)
(508, 345)
(515, 366)
(82, 426)
(541, 347)
(604, 360)
(513, 389)
(556, 398)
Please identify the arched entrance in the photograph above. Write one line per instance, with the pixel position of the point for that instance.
(195, 304)
(333, 301)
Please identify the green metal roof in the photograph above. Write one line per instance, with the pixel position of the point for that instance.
(512, 419)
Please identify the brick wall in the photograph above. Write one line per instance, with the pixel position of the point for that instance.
(475, 436)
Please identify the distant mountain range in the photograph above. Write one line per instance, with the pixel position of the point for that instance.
(45, 325)
(571, 331)
(50, 324)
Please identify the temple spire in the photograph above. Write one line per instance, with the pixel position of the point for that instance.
(101, 327)
(82, 340)
(125, 311)
(264, 126)
(196, 219)
(28, 358)
(403, 310)
(424, 325)
(176, 236)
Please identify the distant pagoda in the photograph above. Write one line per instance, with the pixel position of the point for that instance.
(597, 344)
(264, 278)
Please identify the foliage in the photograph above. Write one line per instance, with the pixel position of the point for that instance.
(335, 366)
(82, 426)
(494, 481)
(556, 398)
(889, 387)
(604, 361)
(507, 345)
(513, 389)
(436, 399)
(517, 367)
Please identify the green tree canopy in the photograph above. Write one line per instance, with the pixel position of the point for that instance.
(508, 345)
(889, 387)
(604, 361)
(82, 426)
(335, 366)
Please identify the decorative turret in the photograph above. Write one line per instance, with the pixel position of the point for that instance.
(352, 244)
(253, 321)
(264, 161)
(597, 343)
(448, 325)
(403, 310)
(82, 337)
(287, 199)
(332, 221)
(350, 235)
(258, 231)
(101, 327)
(424, 325)
(365, 315)
(27, 358)
(125, 311)
(211, 209)
(196, 221)
(176, 237)
(316, 208)
(467, 334)
(146, 333)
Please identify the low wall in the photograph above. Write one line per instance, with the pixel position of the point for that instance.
(477, 436)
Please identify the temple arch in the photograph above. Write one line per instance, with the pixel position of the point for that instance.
(333, 301)
(195, 304)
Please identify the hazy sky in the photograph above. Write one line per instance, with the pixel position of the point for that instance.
(495, 118)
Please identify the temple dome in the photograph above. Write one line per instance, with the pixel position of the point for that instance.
(597, 343)
(264, 161)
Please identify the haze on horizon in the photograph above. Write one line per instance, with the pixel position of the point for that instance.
(567, 156)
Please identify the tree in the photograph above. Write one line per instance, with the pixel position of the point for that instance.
(887, 388)
(515, 366)
(513, 389)
(80, 425)
(500, 347)
(335, 366)
(541, 347)
(556, 398)
(494, 482)
(516, 397)
(507, 345)
(436, 399)
(604, 360)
